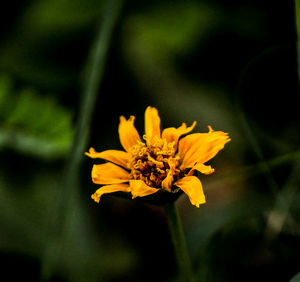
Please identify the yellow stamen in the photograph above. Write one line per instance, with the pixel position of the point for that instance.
(151, 163)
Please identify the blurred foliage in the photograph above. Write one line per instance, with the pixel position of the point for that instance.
(229, 65)
(296, 278)
(36, 49)
(297, 13)
(31, 123)
(167, 31)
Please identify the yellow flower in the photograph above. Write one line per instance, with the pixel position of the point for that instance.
(158, 162)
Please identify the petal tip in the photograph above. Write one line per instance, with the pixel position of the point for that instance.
(90, 152)
(199, 202)
(131, 118)
(151, 108)
(96, 198)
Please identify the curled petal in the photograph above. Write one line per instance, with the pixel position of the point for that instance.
(140, 189)
(109, 189)
(201, 147)
(192, 186)
(205, 169)
(109, 173)
(127, 133)
(172, 134)
(115, 156)
(152, 124)
(167, 182)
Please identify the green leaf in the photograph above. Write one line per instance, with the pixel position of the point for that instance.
(33, 124)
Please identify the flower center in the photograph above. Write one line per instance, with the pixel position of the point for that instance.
(153, 163)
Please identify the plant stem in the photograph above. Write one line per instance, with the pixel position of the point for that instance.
(182, 257)
(62, 211)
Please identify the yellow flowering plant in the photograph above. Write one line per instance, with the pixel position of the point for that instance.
(161, 163)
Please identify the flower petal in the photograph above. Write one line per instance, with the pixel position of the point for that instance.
(109, 173)
(205, 169)
(152, 124)
(201, 147)
(172, 134)
(168, 181)
(140, 189)
(115, 156)
(109, 189)
(127, 133)
(192, 186)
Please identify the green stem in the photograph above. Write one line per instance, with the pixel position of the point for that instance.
(182, 257)
(62, 211)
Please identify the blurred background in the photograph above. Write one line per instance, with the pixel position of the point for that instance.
(229, 64)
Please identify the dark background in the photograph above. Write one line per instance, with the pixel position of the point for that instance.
(228, 64)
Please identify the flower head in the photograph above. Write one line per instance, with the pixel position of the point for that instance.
(158, 161)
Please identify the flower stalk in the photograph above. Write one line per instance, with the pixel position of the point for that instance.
(182, 257)
(62, 211)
